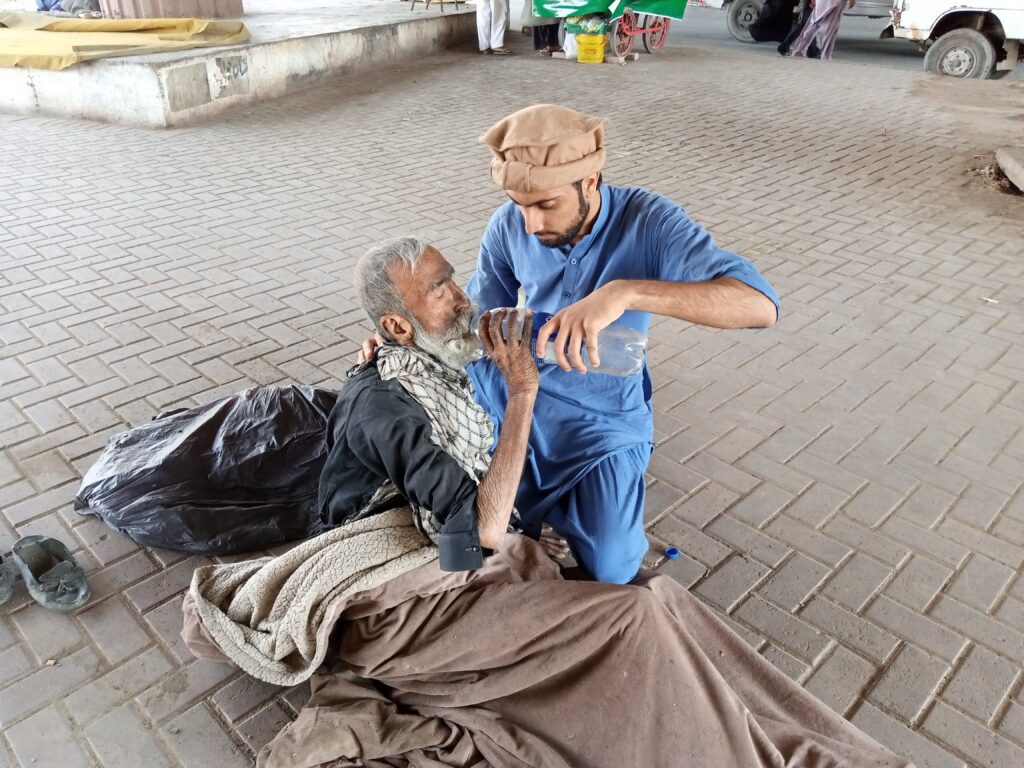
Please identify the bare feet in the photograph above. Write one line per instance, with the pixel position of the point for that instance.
(556, 547)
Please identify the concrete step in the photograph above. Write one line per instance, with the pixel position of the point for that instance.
(174, 89)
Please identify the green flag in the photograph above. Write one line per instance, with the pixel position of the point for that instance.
(559, 9)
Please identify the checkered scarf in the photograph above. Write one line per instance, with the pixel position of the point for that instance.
(461, 428)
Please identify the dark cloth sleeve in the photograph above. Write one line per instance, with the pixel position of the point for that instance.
(398, 446)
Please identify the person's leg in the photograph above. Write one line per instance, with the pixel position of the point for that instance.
(805, 39)
(499, 21)
(829, 32)
(483, 24)
(602, 516)
(549, 33)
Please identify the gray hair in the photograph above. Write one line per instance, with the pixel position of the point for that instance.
(377, 293)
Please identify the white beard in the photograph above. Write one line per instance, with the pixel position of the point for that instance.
(456, 347)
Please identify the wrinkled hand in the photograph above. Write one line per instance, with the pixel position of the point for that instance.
(581, 321)
(369, 348)
(511, 352)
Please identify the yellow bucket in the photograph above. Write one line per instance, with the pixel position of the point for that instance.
(590, 49)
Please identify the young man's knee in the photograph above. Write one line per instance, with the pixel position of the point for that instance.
(617, 570)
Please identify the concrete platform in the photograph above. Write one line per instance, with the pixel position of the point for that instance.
(292, 48)
(1011, 161)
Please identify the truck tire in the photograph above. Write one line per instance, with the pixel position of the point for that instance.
(961, 53)
(740, 15)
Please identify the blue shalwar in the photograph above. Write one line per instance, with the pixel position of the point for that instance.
(592, 434)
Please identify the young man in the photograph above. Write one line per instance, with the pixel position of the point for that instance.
(594, 255)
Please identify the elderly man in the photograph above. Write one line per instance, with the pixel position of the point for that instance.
(594, 255)
(405, 428)
(505, 664)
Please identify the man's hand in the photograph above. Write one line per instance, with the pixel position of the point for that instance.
(369, 348)
(511, 352)
(581, 321)
(851, 3)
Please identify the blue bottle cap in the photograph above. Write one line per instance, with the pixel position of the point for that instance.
(672, 553)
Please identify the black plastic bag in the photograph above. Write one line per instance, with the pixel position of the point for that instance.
(237, 475)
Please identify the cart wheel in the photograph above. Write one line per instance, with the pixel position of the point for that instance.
(654, 39)
(620, 34)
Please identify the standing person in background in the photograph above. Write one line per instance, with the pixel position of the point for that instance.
(823, 26)
(545, 30)
(491, 23)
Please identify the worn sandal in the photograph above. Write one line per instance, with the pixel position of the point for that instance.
(8, 577)
(54, 578)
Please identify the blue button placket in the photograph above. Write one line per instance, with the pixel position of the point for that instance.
(575, 255)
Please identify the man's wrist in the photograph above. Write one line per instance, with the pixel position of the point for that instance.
(624, 292)
(524, 396)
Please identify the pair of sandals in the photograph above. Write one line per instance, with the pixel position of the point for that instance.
(503, 51)
(52, 575)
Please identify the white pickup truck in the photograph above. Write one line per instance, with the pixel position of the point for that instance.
(960, 38)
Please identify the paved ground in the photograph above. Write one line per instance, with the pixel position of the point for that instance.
(846, 486)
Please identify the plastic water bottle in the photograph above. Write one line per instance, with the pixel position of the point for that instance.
(621, 348)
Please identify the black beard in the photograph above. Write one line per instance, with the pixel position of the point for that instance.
(566, 237)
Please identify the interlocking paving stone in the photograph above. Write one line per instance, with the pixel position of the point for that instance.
(46, 739)
(14, 663)
(856, 581)
(841, 679)
(197, 740)
(918, 582)
(909, 683)
(183, 687)
(980, 582)
(118, 685)
(792, 634)
(987, 631)
(731, 581)
(49, 635)
(878, 420)
(240, 697)
(1012, 724)
(47, 684)
(979, 744)
(163, 584)
(123, 739)
(981, 682)
(860, 634)
(907, 743)
(260, 728)
(115, 630)
(793, 581)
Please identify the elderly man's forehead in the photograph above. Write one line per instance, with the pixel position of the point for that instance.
(431, 265)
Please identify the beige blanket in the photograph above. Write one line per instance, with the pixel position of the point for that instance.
(510, 666)
(273, 616)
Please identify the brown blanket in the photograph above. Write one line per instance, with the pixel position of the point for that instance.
(512, 666)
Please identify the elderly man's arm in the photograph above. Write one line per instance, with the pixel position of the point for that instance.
(514, 358)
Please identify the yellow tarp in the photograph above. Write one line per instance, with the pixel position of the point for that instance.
(45, 42)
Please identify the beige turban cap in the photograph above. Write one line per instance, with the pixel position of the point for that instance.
(544, 147)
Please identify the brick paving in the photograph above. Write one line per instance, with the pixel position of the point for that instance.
(846, 486)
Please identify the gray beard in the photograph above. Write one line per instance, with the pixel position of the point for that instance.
(456, 347)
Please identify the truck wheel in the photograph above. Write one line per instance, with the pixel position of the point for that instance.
(961, 53)
(740, 15)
